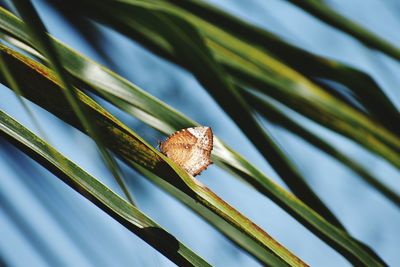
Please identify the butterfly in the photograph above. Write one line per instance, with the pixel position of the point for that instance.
(190, 148)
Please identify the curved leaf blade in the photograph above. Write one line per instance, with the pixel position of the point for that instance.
(329, 16)
(310, 65)
(250, 66)
(44, 45)
(41, 87)
(333, 236)
(96, 192)
(191, 52)
(181, 34)
(273, 114)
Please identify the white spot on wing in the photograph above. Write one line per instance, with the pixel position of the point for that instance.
(200, 133)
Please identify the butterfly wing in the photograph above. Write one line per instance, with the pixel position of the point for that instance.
(201, 151)
(190, 148)
(178, 146)
(197, 162)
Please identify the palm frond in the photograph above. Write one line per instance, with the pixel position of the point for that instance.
(252, 74)
(97, 193)
(131, 151)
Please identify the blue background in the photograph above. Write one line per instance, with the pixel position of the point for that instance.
(45, 223)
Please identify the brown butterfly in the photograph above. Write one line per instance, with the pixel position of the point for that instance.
(190, 148)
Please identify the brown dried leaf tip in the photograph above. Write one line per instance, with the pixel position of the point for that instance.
(190, 148)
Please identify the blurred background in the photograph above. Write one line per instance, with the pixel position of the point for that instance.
(45, 223)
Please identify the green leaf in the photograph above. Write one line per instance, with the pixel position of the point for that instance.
(181, 35)
(340, 119)
(250, 66)
(96, 192)
(229, 159)
(275, 115)
(322, 11)
(310, 65)
(4, 70)
(191, 52)
(46, 47)
(41, 87)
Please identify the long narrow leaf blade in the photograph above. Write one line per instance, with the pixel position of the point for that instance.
(257, 78)
(249, 65)
(362, 85)
(96, 192)
(328, 15)
(191, 52)
(44, 45)
(133, 149)
(231, 101)
(273, 114)
(125, 147)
